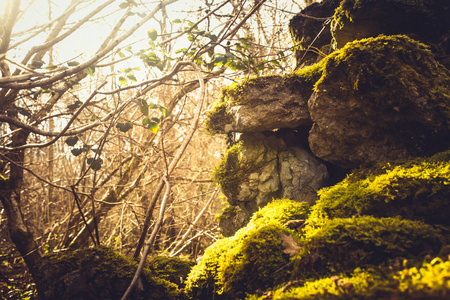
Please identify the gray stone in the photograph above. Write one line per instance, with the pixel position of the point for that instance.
(277, 171)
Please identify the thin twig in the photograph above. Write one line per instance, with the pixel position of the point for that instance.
(149, 244)
(183, 239)
(176, 159)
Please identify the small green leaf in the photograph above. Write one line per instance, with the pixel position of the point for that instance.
(152, 34)
(24, 112)
(77, 151)
(123, 5)
(122, 80)
(89, 70)
(131, 77)
(176, 21)
(71, 140)
(163, 110)
(96, 164)
(73, 63)
(37, 64)
(124, 127)
(153, 127)
(121, 55)
(160, 66)
(51, 67)
(74, 106)
(220, 60)
(144, 108)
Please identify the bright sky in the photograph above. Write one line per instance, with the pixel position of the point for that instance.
(84, 41)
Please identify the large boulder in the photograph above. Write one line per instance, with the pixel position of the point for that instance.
(310, 31)
(424, 20)
(264, 103)
(380, 99)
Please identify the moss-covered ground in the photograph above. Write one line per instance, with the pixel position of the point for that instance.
(102, 273)
(375, 235)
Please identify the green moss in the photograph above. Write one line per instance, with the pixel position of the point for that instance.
(172, 269)
(240, 264)
(281, 211)
(427, 281)
(418, 189)
(228, 212)
(220, 120)
(249, 260)
(231, 171)
(102, 272)
(387, 72)
(344, 244)
(217, 118)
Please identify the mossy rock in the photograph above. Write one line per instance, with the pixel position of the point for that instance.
(97, 273)
(264, 103)
(429, 280)
(172, 269)
(344, 244)
(231, 171)
(417, 190)
(246, 166)
(249, 260)
(424, 20)
(232, 219)
(281, 211)
(380, 99)
(305, 31)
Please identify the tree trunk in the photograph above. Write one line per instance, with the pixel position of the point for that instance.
(10, 190)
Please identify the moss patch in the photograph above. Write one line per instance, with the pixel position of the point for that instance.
(389, 65)
(426, 281)
(231, 171)
(172, 269)
(344, 244)
(400, 87)
(249, 260)
(97, 273)
(418, 189)
(281, 211)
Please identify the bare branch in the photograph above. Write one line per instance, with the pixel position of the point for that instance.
(60, 134)
(175, 160)
(34, 174)
(93, 60)
(9, 18)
